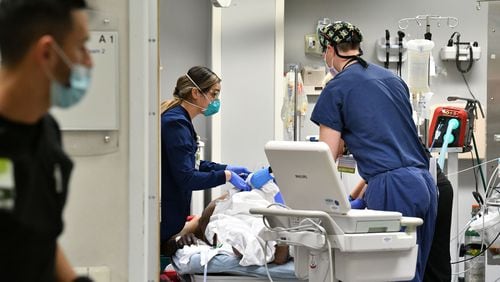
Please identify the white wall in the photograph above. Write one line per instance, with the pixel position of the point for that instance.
(248, 69)
(184, 30)
(374, 17)
(97, 211)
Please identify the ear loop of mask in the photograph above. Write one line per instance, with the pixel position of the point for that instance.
(197, 87)
(63, 56)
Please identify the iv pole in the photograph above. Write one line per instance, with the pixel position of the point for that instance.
(296, 121)
(403, 24)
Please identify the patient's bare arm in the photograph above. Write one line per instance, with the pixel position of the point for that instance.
(281, 255)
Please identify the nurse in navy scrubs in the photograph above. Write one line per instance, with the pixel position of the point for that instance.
(196, 92)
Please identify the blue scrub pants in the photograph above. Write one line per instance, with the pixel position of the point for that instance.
(412, 192)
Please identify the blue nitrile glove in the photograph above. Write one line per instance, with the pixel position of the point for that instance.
(358, 204)
(238, 169)
(260, 177)
(238, 182)
(278, 198)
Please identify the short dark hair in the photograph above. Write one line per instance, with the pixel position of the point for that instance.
(22, 22)
(348, 46)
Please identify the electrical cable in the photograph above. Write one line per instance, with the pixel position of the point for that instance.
(313, 226)
(482, 244)
(482, 212)
(477, 158)
(325, 234)
(457, 55)
(480, 253)
(474, 171)
(468, 87)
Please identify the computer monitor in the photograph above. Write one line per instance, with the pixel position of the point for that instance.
(307, 176)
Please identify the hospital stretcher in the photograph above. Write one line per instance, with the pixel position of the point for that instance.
(379, 256)
(330, 241)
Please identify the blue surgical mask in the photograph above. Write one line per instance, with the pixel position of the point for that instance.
(212, 108)
(332, 70)
(63, 96)
(214, 105)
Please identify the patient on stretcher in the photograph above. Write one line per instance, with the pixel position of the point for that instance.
(227, 227)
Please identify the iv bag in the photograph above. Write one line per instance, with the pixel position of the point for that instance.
(419, 51)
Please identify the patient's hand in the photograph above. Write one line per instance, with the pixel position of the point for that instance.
(281, 254)
(185, 240)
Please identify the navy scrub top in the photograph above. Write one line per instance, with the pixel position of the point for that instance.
(372, 110)
(179, 174)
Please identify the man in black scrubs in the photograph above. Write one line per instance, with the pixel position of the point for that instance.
(44, 63)
(438, 268)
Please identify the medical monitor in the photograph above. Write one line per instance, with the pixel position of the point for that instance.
(307, 176)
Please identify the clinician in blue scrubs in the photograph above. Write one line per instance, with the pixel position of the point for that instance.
(195, 93)
(368, 107)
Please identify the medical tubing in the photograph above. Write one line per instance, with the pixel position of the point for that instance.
(265, 262)
(467, 225)
(464, 170)
(480, 253)
(436, 137)
(205, 270)
(492, 178)
(324, 233)
(466, 270)
(452, 125)
(459, 237)
(462, 231)
(330, 257)
(482, 242)
(488, 191)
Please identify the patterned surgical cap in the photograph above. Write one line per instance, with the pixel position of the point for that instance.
(339, 32)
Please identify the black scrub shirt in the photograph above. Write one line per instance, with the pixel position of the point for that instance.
(34, 175)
